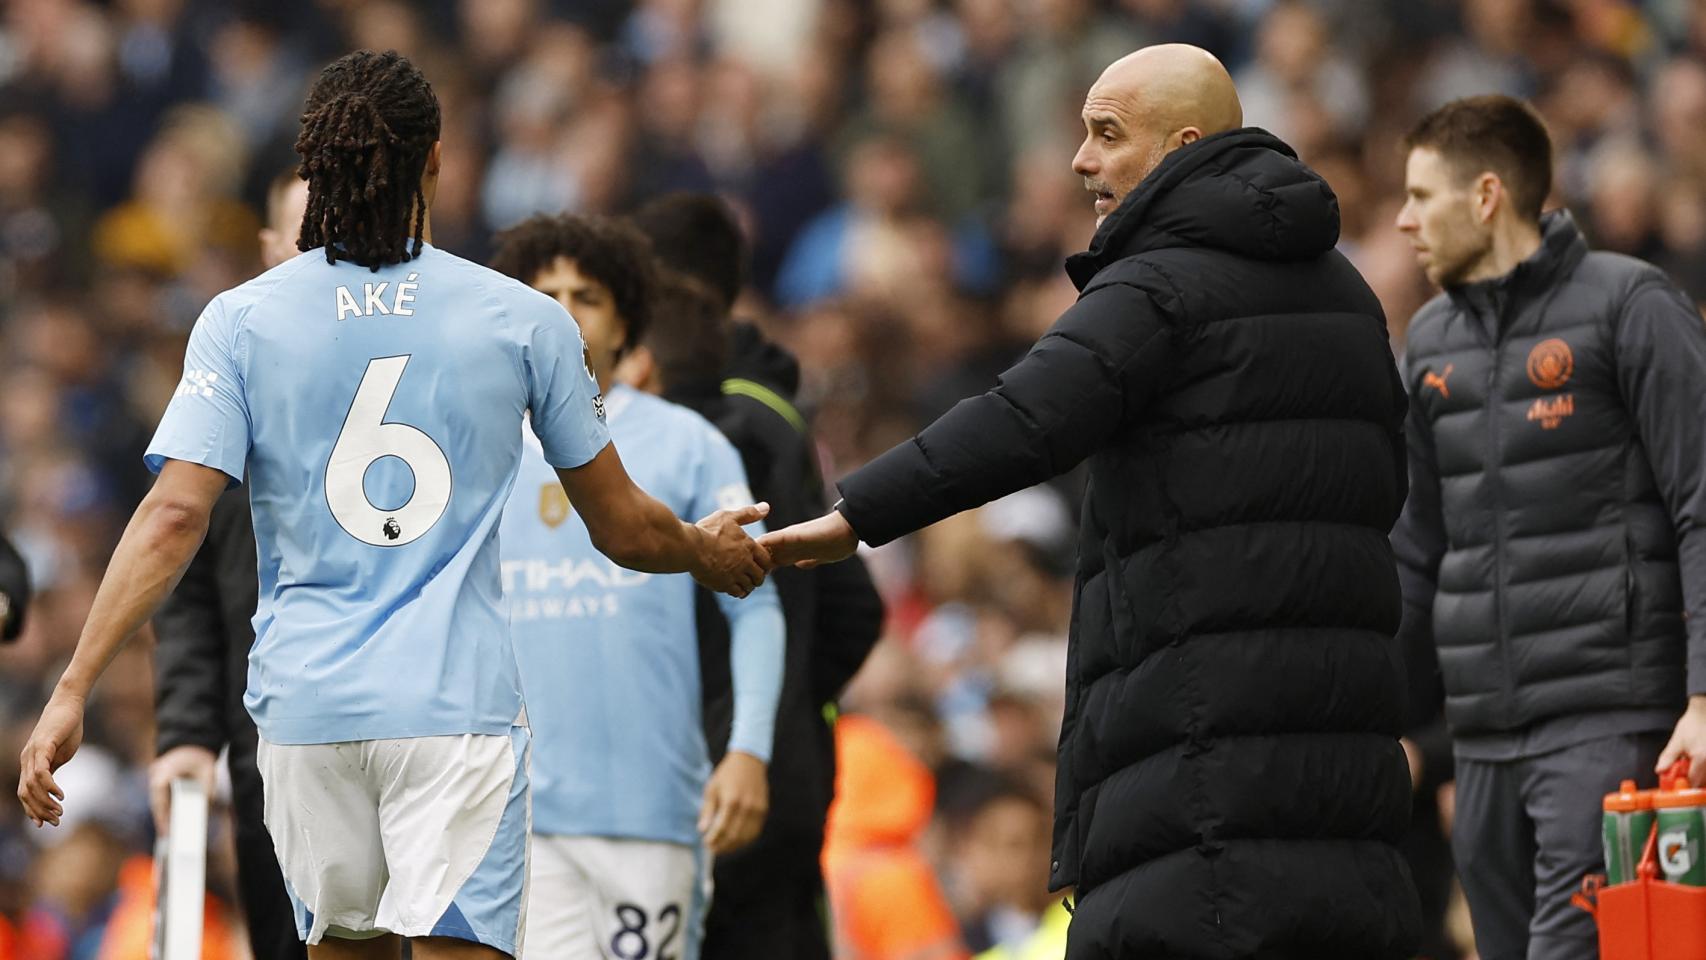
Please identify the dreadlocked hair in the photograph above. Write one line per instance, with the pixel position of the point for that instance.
(369, 124)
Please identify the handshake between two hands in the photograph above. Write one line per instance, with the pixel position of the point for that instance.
(733, 563)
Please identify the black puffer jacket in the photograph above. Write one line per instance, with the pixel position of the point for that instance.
(1230, 784)
(1554, 533)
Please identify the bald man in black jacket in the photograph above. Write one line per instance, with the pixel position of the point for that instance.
(1230, 782)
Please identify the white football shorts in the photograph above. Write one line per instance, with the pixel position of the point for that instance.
(421, 837)
(598, 898)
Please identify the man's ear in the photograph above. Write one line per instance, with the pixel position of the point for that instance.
(1188, 136)
(434, 157)
(639, 369)
(1489, 194)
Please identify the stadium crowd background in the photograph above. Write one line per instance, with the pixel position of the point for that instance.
(902, 167)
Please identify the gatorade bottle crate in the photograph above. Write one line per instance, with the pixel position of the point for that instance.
(1649, 917)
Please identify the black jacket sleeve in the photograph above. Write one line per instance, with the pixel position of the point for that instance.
(1096, 367)
(189, 659)
(14, 591)
(849, 621)
(1661, 369)
(1418, 544)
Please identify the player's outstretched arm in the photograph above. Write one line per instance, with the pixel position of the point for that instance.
(156, 547)
(632, 528)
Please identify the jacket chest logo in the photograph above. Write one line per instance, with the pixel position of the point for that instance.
(1437, 380)
(1550, 364)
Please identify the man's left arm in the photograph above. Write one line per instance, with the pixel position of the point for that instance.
(737, 798)
(1661, 371)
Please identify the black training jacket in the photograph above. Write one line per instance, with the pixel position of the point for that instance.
(833, 616)
(1552, 547)
(1230, 783)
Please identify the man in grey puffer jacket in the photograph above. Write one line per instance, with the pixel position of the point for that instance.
(1551, 548)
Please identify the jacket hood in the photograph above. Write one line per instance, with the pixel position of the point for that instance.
(883, 794)
(1242, 191)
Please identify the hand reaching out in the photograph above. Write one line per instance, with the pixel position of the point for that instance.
(827, 539)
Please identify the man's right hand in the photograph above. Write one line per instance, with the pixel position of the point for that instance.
(828, 539)
(57, 736)
(190, 761)
(729, 561)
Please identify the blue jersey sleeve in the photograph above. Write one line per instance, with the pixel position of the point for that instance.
(207, 421)
(562, 394)
(757, 630)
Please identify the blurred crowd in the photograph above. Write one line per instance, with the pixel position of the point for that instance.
(903, 170)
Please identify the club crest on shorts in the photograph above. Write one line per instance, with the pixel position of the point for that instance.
(554, 505)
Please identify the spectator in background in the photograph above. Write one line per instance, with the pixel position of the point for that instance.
(1001, 844)
(1552, 548)
(201, 665)
(1065, 45)
(884, 898)
(182, 210)
(877, 243)
(907, 100)
(1489, 56)
(42, 231)
(1300, 88)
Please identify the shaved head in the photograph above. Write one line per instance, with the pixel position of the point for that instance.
(1146, 105)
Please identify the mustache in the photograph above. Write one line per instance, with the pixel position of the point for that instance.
(1098, 186)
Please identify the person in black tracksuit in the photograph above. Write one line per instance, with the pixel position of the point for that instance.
(14, 591)
(768, 898)
(1552, 549)
(201, 668)
(1230, 781)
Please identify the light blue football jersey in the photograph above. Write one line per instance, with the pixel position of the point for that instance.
(379, 418)
(610, 657)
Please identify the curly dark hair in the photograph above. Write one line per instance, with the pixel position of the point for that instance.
(369, 124)
(609, 251)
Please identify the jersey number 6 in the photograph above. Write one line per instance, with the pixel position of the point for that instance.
(366, 438)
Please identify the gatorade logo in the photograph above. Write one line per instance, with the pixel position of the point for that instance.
(1675, 857)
